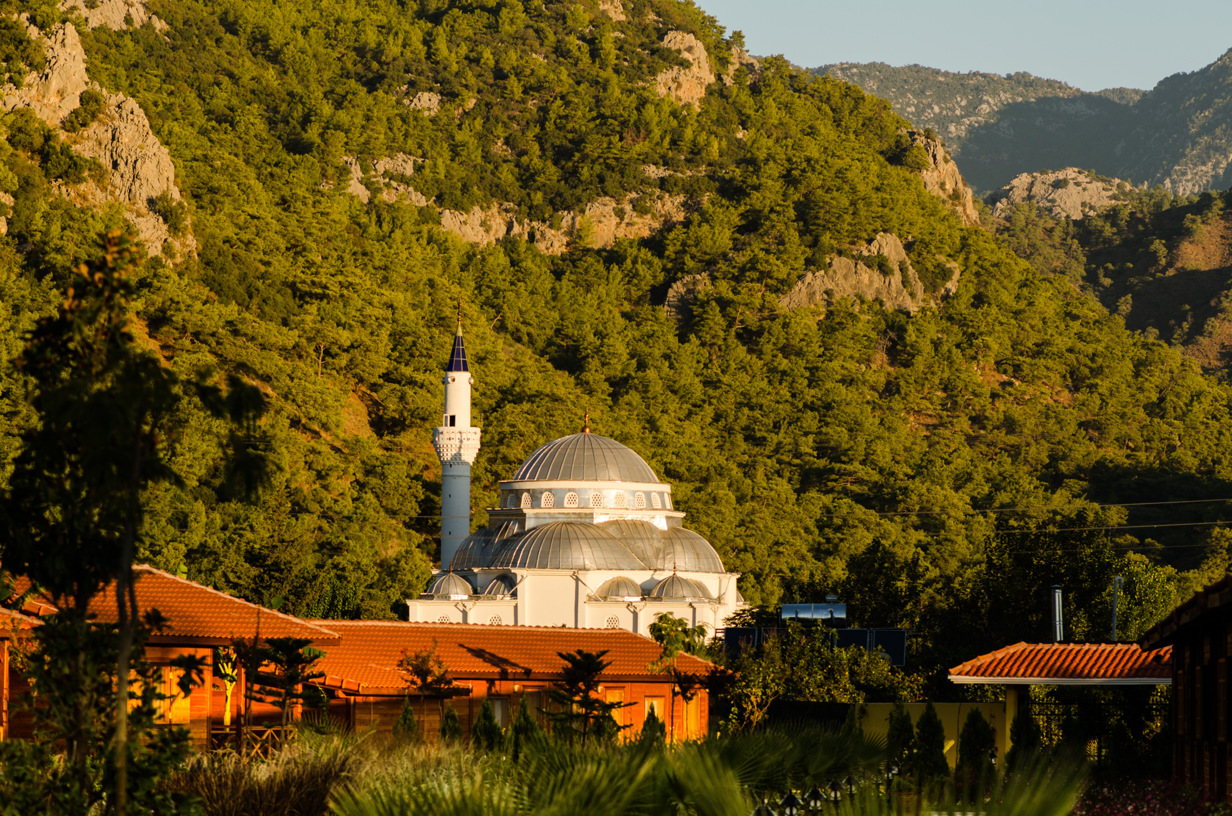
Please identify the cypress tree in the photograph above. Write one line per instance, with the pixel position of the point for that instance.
(1025, 739)
(928, 762)
(525, 734)
(451, 727)
(486, 734)
(406, 727)
(974, 769)
(900, 736)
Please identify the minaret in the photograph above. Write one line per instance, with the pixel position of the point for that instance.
(456, 444)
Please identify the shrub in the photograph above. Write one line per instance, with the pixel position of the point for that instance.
(486, 734)
(451, 728)
(89, 106)
(974, 769)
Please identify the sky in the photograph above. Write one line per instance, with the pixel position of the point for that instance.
(1090, 44)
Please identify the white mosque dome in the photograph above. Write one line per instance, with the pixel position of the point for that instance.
(502, 585)
(642, 537)
(565, 545)
(619, 588)
(450, 585)
(585, 457)
(678, 588)
(687, 551)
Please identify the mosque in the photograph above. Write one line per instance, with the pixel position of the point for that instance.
(585, 536)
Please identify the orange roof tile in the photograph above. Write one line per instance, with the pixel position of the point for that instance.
(13, 622)
(35, 603)
(200, 613)
(1068, 664)
(366, 657)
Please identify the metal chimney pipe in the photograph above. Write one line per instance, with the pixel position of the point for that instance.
(1058, 626)
(1116, 595)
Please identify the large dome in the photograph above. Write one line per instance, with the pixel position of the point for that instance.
(565, 545)
(585, 457)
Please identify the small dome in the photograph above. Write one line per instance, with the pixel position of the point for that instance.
(565, 545)
(500, 585)
(585, 457)
(449, 585)
(642, 537)
(619, 588)
(478, 548)
(687, 551)
(676, 588)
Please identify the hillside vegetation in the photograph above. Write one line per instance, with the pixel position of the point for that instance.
(1175, 135)
(938, 469)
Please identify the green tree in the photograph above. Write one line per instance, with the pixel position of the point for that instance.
(486, 734)
(928, 765)
(451, 726)
(581, 712)
(975, 769)
(525, 736)
(1026, 742)
(900, 736)
(405, 727)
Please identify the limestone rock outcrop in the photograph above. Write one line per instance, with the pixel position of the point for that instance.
(881, 271)
(943, 179)
(614, 9)
(1069, 193)
(686, 85)
(138, 167)
(115, 14)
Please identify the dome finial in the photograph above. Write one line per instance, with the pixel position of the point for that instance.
(586, 421)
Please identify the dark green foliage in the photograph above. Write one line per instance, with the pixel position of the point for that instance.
(653, 735)
(928, 765)
(525, 736)
(173, 213)
(288, 668)
(451, 726)
(18, 52)
(900, 736)
(975, 771)
(486, 734)
(406, 727)
(300, 780)
(1025, 743)
(581, 713)
(90, 106)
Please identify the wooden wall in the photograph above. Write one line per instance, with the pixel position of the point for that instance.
(1200, 689)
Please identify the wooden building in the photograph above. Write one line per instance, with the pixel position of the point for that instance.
(1200, 634)
(197, 619)
(502, 664)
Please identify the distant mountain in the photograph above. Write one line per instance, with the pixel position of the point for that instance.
(1178, 135)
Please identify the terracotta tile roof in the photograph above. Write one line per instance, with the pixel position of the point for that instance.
(1215, 599)
(12, 623)
(1068, 664)
(200, 613)
(366, 658)
(36, 603)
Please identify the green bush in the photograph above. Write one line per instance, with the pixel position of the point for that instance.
(90, 106)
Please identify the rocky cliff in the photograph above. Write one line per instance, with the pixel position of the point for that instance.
(1071, 193)
(942, 179)
(138, 167)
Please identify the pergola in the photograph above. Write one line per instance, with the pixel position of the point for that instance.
(1062, 664)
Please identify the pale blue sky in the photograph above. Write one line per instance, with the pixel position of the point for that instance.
(1091, 44)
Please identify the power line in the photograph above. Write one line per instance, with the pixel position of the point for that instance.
(975, 512)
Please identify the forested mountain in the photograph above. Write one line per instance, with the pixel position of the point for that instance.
(347, 173)
(1178, 134)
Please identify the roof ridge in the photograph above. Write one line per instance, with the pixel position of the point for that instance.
(207, 588)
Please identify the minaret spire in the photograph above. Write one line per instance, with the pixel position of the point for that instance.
(457, 443)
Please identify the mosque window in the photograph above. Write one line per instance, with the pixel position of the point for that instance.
(639, 501)
(596, 499)
(571, 500)
(621, 500)
(526, 500)
(443, 619)
(495, 620)
(510, 500)
(613, 622)
(548, 500)
(654, 501)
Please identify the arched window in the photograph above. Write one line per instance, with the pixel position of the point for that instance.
(525, 500)
(654, 501)
(443, 619)
(548, 500)
(510, 500)
(613, 622)
(639, 501)
(596, 499)
(495, 620)
(571, 499)
(621, 500)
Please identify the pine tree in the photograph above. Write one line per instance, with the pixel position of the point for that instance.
(654, 734)
(1025, 739)
(928, 761)
(486, 734)
(451, 727)
(900, 736)
(525, 735)
(406, 727)
(974, 770)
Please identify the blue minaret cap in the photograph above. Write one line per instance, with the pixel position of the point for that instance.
(457, 358)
